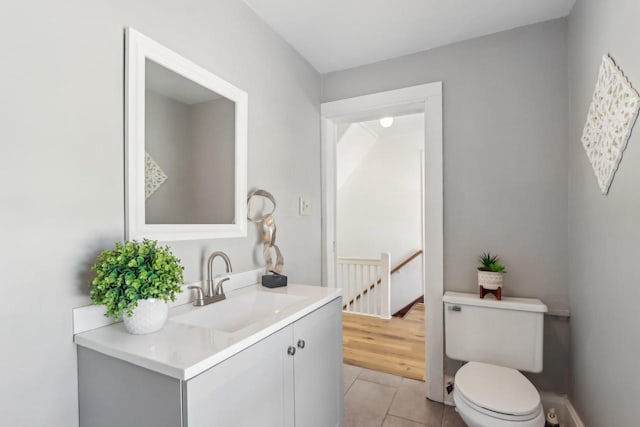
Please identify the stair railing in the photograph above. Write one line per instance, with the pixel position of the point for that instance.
(365, 285)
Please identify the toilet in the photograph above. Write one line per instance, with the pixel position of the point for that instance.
(497, 339)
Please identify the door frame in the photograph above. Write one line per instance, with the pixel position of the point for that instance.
(427, 99)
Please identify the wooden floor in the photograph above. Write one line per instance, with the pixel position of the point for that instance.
(395, 346)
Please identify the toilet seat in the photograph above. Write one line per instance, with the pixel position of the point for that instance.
(496, 391)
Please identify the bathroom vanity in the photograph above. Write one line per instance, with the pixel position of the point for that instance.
(263, 357)
(259, 358)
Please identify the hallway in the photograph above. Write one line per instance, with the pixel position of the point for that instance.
(394, 346)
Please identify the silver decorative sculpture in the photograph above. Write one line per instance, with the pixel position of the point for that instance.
(268, 231)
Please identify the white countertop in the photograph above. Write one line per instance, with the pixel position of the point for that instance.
(183, 351)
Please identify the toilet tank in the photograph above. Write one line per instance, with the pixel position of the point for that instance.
(505, 333)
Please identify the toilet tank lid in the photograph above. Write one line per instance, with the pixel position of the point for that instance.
(507, 303)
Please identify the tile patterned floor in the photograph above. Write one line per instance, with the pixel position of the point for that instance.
(376, 399)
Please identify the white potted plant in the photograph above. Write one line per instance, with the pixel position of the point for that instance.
(134, 282)
(490, 273)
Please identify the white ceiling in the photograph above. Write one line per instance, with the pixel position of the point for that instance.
(339, 34)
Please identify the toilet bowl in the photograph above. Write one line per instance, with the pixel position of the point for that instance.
(488, 395)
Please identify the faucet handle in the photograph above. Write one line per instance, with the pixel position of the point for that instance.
(199, 297)
(219, 289)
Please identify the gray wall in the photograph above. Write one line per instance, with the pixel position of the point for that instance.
(214, 136)
(62, 167)
(604, 231)
(505, 179)
(168, 136)
(194, 146)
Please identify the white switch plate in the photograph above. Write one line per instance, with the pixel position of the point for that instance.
(305, 207)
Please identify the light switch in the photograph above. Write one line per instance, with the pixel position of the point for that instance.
(305, 207)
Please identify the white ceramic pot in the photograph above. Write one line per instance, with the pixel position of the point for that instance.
(149, 316)
(490, 279)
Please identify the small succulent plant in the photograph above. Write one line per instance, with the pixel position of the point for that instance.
(490, 263)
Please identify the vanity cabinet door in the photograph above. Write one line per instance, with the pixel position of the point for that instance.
(252, 388)
(318, 368)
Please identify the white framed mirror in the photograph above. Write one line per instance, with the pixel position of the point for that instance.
(186, 147)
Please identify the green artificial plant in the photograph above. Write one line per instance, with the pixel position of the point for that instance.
(134, 271)
(490, 263)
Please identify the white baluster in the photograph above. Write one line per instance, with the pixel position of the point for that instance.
(385, 289)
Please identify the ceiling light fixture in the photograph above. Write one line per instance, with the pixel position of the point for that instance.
(386, 122)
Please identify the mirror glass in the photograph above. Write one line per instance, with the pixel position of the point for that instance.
(186, 147)
(189, 151)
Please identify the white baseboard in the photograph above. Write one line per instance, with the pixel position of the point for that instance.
(573, 419)
(567, 414)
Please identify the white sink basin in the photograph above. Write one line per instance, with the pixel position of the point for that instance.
(238, 311)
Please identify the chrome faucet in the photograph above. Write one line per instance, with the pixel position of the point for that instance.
(212, 295)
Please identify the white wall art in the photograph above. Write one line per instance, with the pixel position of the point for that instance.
(154, 177)
(612, 114)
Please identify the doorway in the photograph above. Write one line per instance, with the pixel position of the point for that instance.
(379, 243)
(426, 99)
